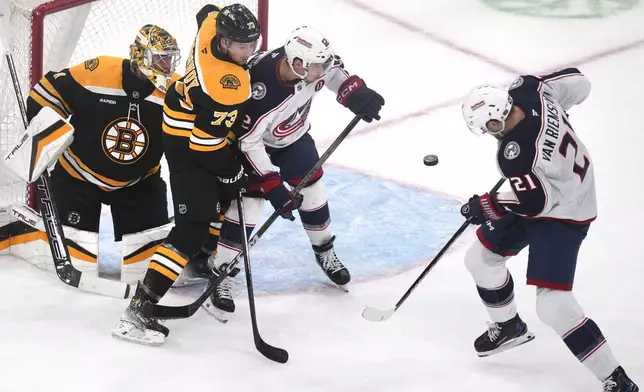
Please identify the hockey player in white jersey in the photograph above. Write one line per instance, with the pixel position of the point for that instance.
(279, 148)
(549, 209)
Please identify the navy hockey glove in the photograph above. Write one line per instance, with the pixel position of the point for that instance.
(274, 190)
(231, 186)
(481, 208)
(360, 99)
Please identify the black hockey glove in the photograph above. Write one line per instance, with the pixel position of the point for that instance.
(481, 208)
(231, 186)
(360, 99)
(280, 198)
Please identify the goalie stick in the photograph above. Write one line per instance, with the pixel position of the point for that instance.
(273, 353)
(54, 229)
(185, 311)
(373, 314)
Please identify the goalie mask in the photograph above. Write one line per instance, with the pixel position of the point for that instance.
(312, 48)
(155, 54)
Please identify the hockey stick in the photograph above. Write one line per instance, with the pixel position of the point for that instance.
(185, 311)
(273, 353)
(54, 229)
(373, 314)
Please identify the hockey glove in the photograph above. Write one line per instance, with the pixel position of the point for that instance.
(360, 99)
(280, 198)
(481, 208)
(231, 186)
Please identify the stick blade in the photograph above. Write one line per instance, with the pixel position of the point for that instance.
(375, 315)
(275, 354)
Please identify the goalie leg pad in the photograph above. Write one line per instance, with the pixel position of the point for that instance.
(138, 249)
(31, 243)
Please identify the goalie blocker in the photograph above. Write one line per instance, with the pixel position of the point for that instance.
(39, 147)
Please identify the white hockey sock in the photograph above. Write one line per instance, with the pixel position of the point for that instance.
(493, 281)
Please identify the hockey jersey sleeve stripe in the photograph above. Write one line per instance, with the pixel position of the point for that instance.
(187, 125)
(202, 147)
(175, 131)
(49, 88)
(177, 115)
(42, 101)
(206, 137)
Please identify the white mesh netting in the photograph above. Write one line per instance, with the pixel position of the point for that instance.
(86, 30)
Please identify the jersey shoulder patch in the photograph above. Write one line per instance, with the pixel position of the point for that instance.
(102, 72)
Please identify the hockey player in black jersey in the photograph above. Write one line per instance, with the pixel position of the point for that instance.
(549, 210)
(202, 110)
(116, 108)
(280, 151)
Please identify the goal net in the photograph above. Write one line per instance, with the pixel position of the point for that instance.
(44, 36)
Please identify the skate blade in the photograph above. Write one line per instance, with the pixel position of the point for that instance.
(147, 338)
(523, 339)
(216, 313)
(343, 287)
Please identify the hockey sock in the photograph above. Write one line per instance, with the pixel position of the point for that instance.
(165, 266)
(493, 282)
(560, 310)
(315, 214)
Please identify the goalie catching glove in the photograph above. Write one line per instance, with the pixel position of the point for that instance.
(46, 137)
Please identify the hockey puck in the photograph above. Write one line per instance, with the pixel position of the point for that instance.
(430, 160)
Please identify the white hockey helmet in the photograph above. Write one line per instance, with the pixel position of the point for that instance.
(310, 46)
(485, 103)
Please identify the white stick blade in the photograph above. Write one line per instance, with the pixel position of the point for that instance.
(375, 315)
(110, 288)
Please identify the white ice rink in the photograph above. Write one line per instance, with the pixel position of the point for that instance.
(422, 56)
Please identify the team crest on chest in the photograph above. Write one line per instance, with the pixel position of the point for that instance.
(125, 140)
(512, 150)
(230, 81)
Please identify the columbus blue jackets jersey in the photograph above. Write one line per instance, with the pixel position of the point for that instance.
(549, 168)
(277, 113)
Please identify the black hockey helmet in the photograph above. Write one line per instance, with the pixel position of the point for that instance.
(236, 23)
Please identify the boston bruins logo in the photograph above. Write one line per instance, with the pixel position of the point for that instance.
(125, 140)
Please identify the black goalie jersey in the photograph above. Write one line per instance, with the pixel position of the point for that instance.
(117, 119)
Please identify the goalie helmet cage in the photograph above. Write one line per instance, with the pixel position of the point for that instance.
(53, 35)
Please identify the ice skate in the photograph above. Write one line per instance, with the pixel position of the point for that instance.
(327, 259)
(619, 382)
(220, 304)
(135, 327)
(503, 336)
